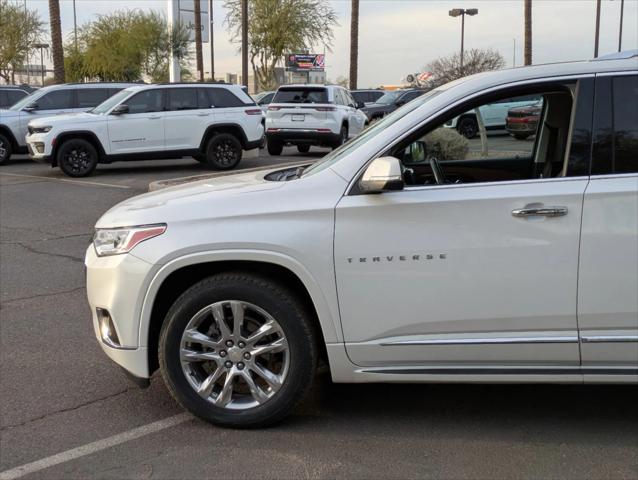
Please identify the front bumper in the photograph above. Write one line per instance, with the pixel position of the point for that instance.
(40, 146)
(116, 284)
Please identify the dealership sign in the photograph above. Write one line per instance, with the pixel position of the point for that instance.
(305, 62)
(187, 17)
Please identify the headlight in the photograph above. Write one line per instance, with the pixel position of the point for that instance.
(40, 129)
(115, 241)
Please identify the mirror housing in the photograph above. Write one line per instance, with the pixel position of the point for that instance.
(400, 103)
(360, 105)
(120, 109)
(31, 107)
(383, 174)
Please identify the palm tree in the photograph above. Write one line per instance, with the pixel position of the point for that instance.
(56, 41)
(354, 44)
(528, 32)
(198, 40)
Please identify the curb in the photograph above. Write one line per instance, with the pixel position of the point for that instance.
(173, 182)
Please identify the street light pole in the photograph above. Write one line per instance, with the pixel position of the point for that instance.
(597, 28)
(461, 12)
(212, 45)
(75, 27)
(244, 42)
(41, 46)
(622, 8)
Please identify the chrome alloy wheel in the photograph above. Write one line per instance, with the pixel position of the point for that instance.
(234, 354)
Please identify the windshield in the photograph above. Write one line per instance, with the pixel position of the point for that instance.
(23, 102)
(390, 97)
(369, 134)
(110, 102)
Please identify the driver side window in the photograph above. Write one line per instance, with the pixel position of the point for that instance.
(524, 137)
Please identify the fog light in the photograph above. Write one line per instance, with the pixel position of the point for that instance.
(39, 147)
(107, 328)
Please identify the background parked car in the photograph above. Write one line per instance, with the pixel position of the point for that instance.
(367, 96)
(494, 115)
(11, 94)
(263, 99)
(390, 101)
(522, 122)
(306, 115)
(45, 102)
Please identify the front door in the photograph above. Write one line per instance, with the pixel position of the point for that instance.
(140, 130)
(474, 265)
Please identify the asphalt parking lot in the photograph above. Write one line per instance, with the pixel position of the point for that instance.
(67, 411)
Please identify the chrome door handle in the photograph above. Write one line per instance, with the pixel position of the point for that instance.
(203, 114)
(540, 212)
(154, 117)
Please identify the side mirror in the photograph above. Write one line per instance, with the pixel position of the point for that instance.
(120, 109)
(383, 174)
(400, 103)
(360, 105)
(31, 107)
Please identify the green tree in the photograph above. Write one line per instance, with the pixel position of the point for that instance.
(19, 30)
(476, 60)
(126, 45)
(277, 27)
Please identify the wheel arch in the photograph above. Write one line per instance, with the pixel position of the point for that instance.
(231, 128)
(83, 134)
(6, 131)
(177, 276)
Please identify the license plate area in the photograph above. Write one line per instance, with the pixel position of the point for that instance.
(298, 118)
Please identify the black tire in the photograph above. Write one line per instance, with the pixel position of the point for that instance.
(303, 148)
(223, 152)
(343, 137)
(200, 158)
(468, 127)
(5, 149)
(274, 299)
(275, 148)
(521, 136)
(77, 157)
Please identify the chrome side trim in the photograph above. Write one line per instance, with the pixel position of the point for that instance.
(609, 338)
(483, 341)
(503, 371)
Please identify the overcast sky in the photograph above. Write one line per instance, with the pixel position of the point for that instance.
(398, 37)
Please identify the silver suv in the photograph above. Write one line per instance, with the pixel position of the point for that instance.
(45, 102)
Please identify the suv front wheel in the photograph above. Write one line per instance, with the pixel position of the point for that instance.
(223, 151)
(5, 149)
(77, 157)
(238, 350)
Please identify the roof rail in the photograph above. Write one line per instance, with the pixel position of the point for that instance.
(617, 56)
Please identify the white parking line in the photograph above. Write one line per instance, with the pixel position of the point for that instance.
(63, 180)
(94, 447)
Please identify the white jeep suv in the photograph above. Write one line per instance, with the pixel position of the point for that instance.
(391, 264)
(211, 122)
(45, 102)
(305, 115)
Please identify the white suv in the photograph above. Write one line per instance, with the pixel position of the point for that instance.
(45, 102)
(211, 122)
(305, 115)
(390, 264)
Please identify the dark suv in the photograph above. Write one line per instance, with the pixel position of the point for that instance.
(10, 94)
(390, 101)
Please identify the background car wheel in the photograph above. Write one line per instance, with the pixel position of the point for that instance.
(303, 148)
(343, 137)
(275, 148)
(238, 350)
(468, 127)
(223, 151)
(5, 149)
(521, 136)
(77, 157)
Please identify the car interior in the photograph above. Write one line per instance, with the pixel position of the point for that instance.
(438, 155)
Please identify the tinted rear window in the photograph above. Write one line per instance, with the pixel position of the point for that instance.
(301, 95)
(223, 98)
(625, 91)
(182, 98)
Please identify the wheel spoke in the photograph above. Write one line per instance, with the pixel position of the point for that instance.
(278, 345)
(258, 394)
(194, 336)
(206, 387)
(227, 390)
(273, 381)
(193, 356)
(238, 318)
(267, 328)
(218, 314)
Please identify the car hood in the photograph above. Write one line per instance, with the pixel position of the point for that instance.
(221, 196)
(54, 120)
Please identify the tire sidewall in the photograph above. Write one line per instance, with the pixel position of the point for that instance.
(77, 143)
(6, 143)
(274, 300)
(274, 147)
(303, 148)
(211, 156)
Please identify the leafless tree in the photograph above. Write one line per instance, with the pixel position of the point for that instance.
(446, 69)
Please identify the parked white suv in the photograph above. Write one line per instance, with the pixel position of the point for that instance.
(391, 264)
(45, 102)
(211, 122)
(306, 115)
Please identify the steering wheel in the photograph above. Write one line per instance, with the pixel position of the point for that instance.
(437, 171)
